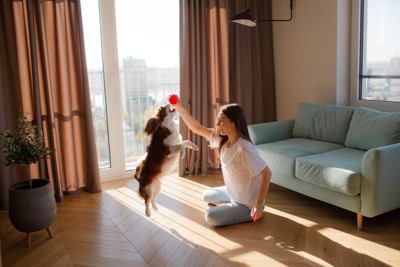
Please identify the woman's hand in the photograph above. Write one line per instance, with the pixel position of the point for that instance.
(257, 212)
(175, 102)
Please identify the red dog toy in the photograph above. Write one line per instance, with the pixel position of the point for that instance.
(173, 99)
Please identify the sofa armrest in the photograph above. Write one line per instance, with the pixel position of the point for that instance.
(270, 131)
(380, 180)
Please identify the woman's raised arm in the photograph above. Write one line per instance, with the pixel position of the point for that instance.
(193, 124)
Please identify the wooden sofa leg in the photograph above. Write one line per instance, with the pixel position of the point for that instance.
(49, 231)
(359, 221)
(28, 239)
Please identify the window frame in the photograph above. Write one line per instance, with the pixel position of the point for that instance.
(112, 85)
(356, 64)
(113, 101)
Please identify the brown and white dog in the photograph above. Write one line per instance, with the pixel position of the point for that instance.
(165, 147)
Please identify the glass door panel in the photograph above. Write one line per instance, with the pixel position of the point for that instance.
(132, 52)
(148, 52)
(94, 60)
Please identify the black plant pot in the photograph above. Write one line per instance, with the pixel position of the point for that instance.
(31, 210)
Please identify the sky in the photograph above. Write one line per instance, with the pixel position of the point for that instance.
(149, 29)
(383, 40)
(146, 29)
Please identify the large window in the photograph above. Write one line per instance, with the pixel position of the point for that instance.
(132, 52)
(379, 78)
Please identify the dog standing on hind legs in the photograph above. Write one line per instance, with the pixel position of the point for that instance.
(163, 151)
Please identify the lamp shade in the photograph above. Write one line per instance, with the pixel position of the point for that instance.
(244, 18)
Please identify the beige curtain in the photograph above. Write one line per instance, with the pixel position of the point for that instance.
(251, 64)
(223, 63)
(204, 72)
(43, 72)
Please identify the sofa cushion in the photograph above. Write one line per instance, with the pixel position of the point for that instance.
(372, 128)
(338, 170)
(281, 156)
(322, 122)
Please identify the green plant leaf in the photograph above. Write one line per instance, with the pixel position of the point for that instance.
(25, 146)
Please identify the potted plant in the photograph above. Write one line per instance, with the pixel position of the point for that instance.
(32, 204)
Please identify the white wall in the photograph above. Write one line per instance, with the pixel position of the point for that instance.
(316, 55)
(311, 61)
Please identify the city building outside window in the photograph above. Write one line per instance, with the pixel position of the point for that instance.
(379, 78)
(132, 53)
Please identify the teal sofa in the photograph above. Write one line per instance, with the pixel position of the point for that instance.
(346, 156)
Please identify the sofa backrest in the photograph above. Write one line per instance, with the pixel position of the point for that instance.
(371, 128)
(323, 122)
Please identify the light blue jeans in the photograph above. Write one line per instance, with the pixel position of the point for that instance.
(227, 213)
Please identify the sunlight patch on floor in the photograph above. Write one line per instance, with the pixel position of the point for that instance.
(182, 227)
(347, 240)
(181, 215)
(294, 218)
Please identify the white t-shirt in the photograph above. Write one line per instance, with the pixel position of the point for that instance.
(241, 166)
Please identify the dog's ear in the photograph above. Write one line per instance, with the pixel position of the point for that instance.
(152, 126)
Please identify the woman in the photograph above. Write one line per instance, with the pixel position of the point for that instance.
(246, 175)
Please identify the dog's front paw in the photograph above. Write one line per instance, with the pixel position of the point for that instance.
(194, 147)
(187, 144)
(190, 145)
(183, 152)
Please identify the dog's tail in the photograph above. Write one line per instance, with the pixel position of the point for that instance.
(143, 192)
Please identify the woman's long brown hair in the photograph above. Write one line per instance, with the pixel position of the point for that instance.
(235, 113)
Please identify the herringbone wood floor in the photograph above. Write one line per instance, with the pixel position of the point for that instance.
(110, 229)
